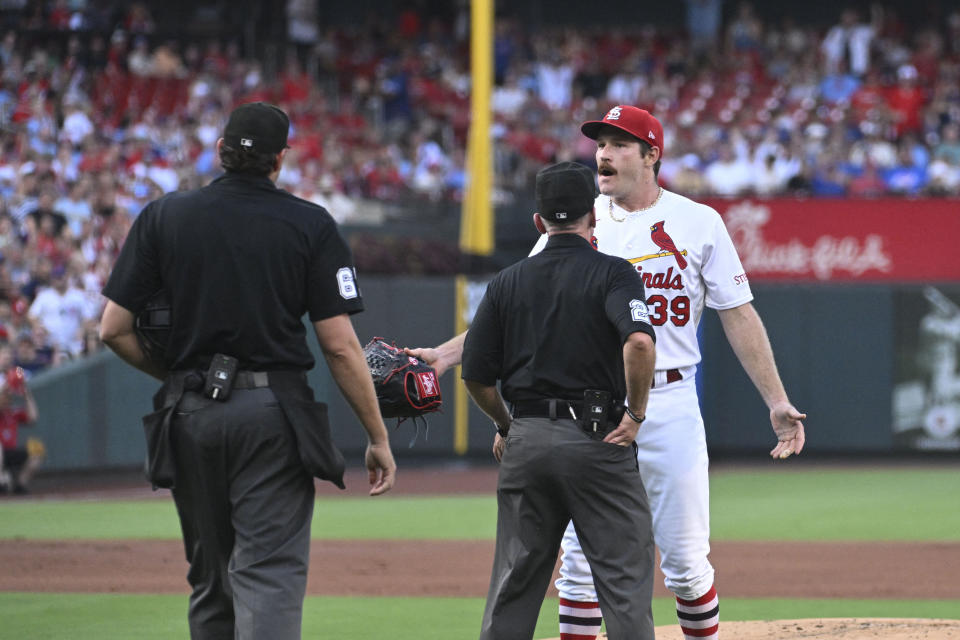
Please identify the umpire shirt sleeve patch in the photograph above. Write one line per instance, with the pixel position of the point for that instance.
(638, 311)
(625, 300)
(346, 283)
(332, 287)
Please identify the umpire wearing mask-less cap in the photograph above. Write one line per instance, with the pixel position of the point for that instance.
(257, 126)
(565, 191)
(566, 334)
(236, 433)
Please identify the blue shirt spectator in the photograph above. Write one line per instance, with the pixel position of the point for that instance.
(838, 87)
(829, 182)
(905, 177)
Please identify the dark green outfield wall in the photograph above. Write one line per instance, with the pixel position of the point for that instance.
(834, 346)
(834, 349)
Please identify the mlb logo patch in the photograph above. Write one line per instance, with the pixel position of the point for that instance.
(246, 143)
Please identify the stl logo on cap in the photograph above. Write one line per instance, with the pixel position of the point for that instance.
(613, 114)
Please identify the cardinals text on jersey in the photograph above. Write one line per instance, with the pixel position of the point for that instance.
(683, 253)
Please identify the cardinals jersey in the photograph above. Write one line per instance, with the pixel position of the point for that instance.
(683, 253)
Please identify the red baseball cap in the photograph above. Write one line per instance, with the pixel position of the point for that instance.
(637, 122)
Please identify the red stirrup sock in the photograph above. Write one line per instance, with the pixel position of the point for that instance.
(579, 620)
(700, 618)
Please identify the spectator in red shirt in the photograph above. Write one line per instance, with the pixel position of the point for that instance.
(17, 463)
(295, 83)
(59, 17)
(869, 100)
(906, 100)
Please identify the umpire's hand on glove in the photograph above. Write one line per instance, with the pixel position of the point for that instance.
(431, 356)
(787, 424)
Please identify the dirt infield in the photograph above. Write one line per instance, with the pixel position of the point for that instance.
(831, 629)
(461, 568)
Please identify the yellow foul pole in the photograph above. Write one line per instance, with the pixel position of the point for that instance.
(476, 228)
(476, 219)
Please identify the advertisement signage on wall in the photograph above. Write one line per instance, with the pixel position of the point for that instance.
(824, 240)
(926, 386)
(909, 244)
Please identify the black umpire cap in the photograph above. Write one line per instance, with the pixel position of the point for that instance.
(565, 191)
(257, 126)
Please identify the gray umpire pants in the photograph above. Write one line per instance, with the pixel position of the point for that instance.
(245, 505)
(552, 472)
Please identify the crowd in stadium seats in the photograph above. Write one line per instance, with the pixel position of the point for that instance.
(99, 114)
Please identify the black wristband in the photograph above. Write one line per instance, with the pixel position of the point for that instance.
(633, 416)
(503, 431)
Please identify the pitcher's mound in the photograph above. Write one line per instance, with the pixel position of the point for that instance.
(831, 629)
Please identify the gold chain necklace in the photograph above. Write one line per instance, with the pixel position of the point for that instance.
(649, 206)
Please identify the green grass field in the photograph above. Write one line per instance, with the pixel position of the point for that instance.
(124, 617)
(815, 504)
(789, 504)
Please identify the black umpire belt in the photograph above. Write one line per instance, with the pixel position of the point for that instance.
(554, 409)
(193, 380)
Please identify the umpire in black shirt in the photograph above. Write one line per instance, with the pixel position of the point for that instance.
(567, 335)
(236, 434)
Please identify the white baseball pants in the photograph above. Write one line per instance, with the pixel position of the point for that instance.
(672, 454)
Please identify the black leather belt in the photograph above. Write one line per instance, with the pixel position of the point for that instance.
(193, 380)
(551, 408)
(258, 379)
(251, 379)
(556, 409)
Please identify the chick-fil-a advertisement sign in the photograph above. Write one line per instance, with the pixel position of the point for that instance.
(846, 240)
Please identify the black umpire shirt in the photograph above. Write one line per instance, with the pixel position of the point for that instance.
(242, 261)
(554, 324)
